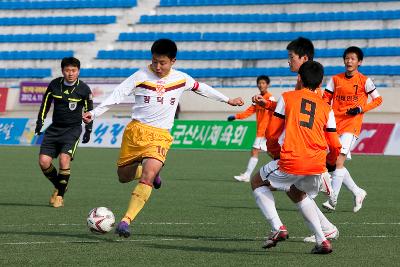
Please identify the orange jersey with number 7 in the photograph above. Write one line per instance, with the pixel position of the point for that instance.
(349, 92)
(310, 130)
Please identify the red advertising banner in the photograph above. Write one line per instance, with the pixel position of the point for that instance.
(373, 138)
(3, 99)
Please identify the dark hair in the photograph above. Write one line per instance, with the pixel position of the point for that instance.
(70, 61)
(263, 78)
(165, 47)
(302, 47)
(356, 50)
(311, 74)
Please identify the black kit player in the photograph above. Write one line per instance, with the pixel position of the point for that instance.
(70, 96)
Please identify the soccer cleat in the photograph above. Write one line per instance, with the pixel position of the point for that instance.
(53, 197)
(157, 182)
(276, 236)
(123, 229)
(242, 177)
(327, 205)
(324, 248)
(358, 200)
(330, 235)
(58, 202)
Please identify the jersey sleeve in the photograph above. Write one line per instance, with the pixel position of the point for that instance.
(204, 89)
(45, 106)
(328, 92)
(88, 106)
(118, 94)
(247, 113)
(371, 90)
(332, 139)
(275, 129)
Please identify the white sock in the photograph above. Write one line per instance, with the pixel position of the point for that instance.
(310, 214)
(337, 180)
(251, 165)
(349, 183)
(326, 225)
(266, 202)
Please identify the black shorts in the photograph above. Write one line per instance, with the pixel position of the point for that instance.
(58, 140)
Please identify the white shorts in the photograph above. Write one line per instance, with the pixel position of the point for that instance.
(279, 180)
(347, 140)
(260, 143)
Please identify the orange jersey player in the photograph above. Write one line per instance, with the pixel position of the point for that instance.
(348, 93)
(262, 118)
(310, 129)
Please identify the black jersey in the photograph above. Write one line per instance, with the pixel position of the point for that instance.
(69, 101)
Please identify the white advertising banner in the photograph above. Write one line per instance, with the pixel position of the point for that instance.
(106, 133)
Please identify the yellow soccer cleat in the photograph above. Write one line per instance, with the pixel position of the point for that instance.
(58, 202)
(53, 196)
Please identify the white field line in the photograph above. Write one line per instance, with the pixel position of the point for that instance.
(164, 239)
(183, 223)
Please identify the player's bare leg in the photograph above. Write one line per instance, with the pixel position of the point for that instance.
(136, 168)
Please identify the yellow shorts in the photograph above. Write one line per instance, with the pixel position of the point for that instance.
(143, 141)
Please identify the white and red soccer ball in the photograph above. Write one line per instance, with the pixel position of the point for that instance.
(100, 220)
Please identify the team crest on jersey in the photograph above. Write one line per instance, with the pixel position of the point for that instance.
(160, 88)
(72, 105)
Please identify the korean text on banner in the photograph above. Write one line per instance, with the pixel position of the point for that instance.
(237, 135)
(32, 92)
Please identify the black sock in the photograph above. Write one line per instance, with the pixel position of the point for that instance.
(63, 178)
(51, 174)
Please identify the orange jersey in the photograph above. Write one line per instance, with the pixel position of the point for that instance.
(349, 92)
(310, 130)
(263, 115)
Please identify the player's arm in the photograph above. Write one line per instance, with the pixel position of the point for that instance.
(247, 113)
(370, 89)
(275, 129)
(268, 104)
(328, 92)
(117, 96)
(332, 139)
(44, 109)
(376, 97)
(209, 92)
(88, 106)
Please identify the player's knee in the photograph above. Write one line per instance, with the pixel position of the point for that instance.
(295, 194)
(123, 176)
(44, 163)
(256, 181)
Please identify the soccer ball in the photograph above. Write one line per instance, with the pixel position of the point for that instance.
(100, 220)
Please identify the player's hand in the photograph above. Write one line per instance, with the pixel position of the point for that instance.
(38, 128)
(354, 111)
(259, 99)
(330, 167)
(87, 117)
(86, 137)
(231, 118)
(238, 101)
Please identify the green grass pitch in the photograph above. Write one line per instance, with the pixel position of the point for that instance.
(200, 216)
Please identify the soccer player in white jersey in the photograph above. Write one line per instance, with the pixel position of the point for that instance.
(146, 140)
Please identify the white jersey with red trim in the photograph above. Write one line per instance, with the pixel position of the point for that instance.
(156, 99)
